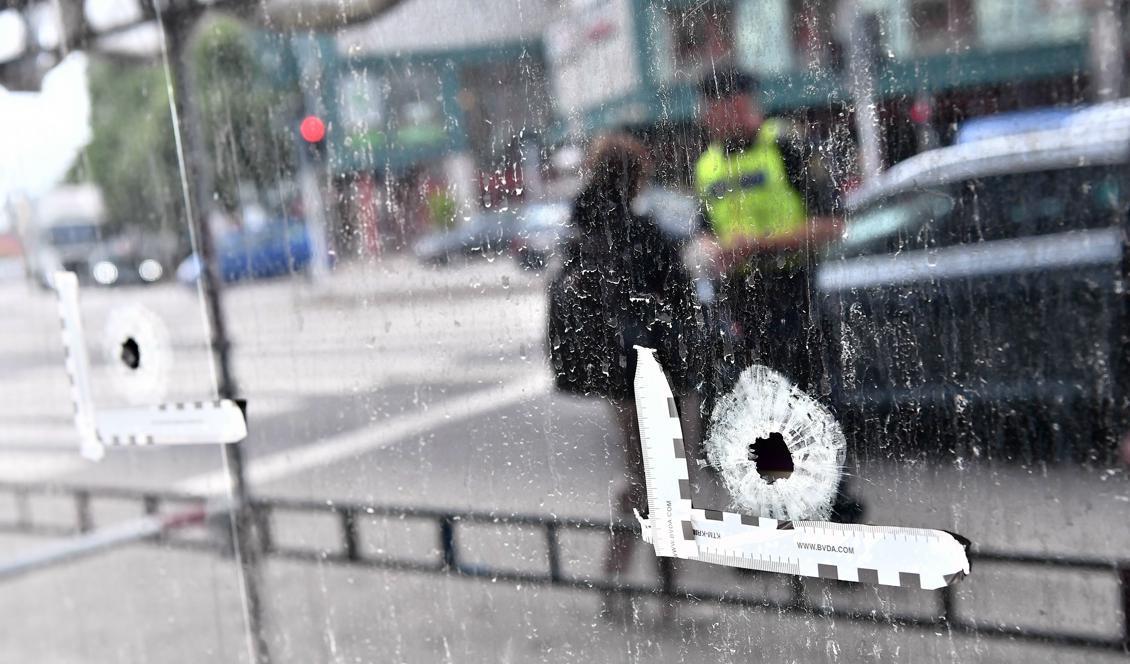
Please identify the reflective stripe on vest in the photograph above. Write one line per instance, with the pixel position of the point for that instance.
(748, 193)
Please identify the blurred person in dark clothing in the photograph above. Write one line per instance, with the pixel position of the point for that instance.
(621, 283)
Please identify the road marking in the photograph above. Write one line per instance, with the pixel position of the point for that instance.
(29, 467)
(47, 435)
(350, 444)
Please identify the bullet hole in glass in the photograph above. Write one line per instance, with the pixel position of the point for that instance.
(772, 456)
(131, 353)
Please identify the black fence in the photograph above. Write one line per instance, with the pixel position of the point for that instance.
(348, 549)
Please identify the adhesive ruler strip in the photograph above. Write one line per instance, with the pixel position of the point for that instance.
(666, 475)
(76, 362)
(185, 423)
(197, 422)
(886, 555)
(891, 556)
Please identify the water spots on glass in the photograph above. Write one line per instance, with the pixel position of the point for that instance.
(912, 212)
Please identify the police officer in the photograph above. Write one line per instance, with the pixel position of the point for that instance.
(768, 203)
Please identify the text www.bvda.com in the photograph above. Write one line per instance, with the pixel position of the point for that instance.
(831, 548)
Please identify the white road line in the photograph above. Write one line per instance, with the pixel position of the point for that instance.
(348, 445)
(49, 435)
(28, 466)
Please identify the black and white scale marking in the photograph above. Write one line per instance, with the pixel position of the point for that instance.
(194, 422)
(666, 475)
(216, 421)
(76, 363)
(886, 555)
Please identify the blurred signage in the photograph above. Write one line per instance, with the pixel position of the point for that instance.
(363, 101)
(1016, 25)
(592, 55)
(318, 14)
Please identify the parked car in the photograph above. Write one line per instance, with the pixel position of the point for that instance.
(540, 230)
(279, 248)
(484, 234)
(976, 303)
(1007, 124)
(109, 268)
(137, 258)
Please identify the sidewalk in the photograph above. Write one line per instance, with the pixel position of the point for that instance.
(403, 277)
(143, 604)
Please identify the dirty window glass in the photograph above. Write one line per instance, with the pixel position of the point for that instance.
(564, 330)
(889, 226)
(1044, 202)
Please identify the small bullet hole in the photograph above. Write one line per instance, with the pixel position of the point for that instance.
(131, 353)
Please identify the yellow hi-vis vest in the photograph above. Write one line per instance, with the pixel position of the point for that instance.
(748, 193)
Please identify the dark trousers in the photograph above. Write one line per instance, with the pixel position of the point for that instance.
(765, 316)
(762, 317)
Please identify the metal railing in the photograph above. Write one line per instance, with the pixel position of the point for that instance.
(349, 549)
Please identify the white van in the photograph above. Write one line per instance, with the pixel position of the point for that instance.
(64, 231)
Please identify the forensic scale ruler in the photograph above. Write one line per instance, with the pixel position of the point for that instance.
(885, 555)
(180, 423)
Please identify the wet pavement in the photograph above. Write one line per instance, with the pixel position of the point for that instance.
(409, 385)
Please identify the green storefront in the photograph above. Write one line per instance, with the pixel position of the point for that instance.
(980, 56)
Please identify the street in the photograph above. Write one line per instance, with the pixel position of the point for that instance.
(398, 384)
(879, 247)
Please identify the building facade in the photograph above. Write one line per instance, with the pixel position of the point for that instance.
(430, 115)
(635, 62)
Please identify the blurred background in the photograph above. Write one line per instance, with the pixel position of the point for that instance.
(382, 190)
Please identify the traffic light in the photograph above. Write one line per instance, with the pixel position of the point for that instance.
(312, 129)
(312, 143)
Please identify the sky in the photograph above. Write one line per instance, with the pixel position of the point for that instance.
(41, 133)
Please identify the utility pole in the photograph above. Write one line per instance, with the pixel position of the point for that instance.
(862, 33)
(197, 177)
(177, 19)
(1107, 57)
(311, 157)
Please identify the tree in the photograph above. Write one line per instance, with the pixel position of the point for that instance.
(247, 118)
(133, 156)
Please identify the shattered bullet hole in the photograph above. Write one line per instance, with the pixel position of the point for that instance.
(772, 456)
(908, 557)
(137, 347)
(792, 469)
(131, 353)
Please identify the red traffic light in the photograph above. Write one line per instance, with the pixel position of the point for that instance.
(313, 130)
(920, 111)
